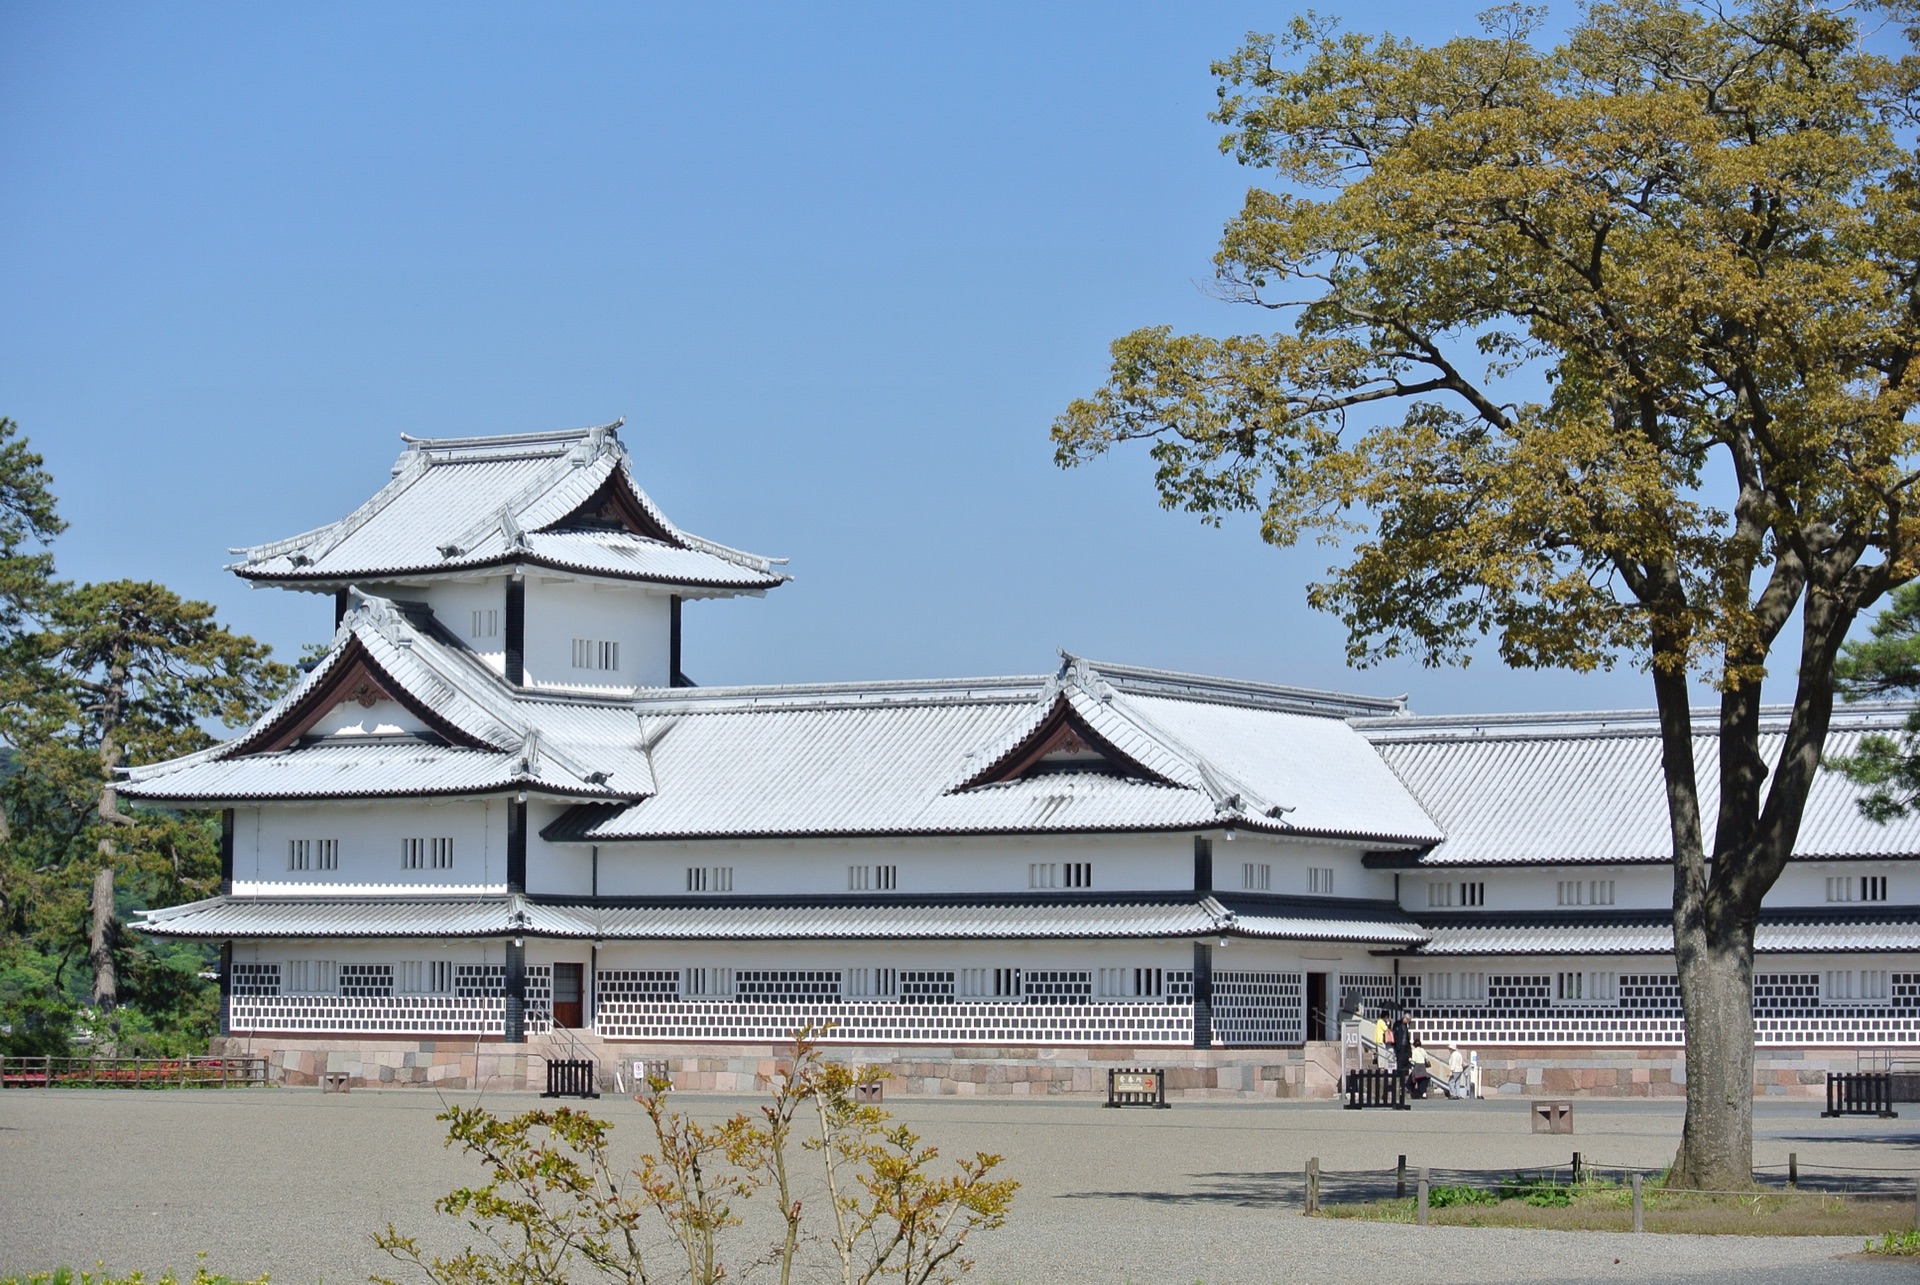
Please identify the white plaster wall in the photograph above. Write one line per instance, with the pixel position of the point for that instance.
(385, 951)
(455, 601)
(558, 868)
(1804, 883)
(1124, 863)
(560, 610)
(370, 835)
(1529, 888)
(383, 718)
(1173, 954)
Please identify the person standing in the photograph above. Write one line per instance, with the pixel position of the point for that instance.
(1456, 1072)
(1402, 1047)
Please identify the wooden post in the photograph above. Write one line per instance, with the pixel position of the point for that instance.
(1916, 1203)
(1639, 1209)
(1421, 1218)
(1313, 1185)
(1793, 1168)
(1576, 1168)
(1400, 1180)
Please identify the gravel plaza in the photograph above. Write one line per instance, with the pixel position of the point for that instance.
(292, 1182)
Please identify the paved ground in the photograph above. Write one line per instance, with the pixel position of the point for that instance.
(292, 1182)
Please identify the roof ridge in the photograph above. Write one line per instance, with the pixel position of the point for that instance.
(1590, 724)
(544, 437)
(1281, 696)
(402, 480)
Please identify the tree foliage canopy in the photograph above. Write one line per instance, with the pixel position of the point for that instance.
(1646, 300)
(1604, 349)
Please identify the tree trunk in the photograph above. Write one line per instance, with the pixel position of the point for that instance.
(1716, 991)
(100, 942)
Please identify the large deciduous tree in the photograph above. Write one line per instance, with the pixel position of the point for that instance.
(1604, 349)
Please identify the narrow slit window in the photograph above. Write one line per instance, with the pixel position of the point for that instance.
(299, 854)
(486, 624)
(1256, 876)
(1320, 880)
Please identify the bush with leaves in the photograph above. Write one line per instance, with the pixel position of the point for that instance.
(557, 1207)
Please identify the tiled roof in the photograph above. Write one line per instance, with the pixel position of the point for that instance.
(759, 762)
(550, 744)
(462, 503)
(892, 919)
(1558, 789)
(1651, 933)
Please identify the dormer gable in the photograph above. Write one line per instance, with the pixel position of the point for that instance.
(615, 507)
(355, 691)
(1063, 741)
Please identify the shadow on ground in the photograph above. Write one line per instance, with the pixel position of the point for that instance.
(1288, 1190)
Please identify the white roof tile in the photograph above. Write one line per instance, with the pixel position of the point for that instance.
(459, 504)
(1566, 789)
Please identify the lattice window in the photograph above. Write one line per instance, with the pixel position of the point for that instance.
(1473, 893)
(1585, 987)
(485, 623)
(300, 856)
(326, 854)
(1854, 986)
(872, 878)
(1439, 895)
(1256, 876)
(254, 979)
(1320, 880)
(1077, 874)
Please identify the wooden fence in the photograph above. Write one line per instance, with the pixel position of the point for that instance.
(132, 1072)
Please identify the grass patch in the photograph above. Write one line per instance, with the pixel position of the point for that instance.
(1606, 1206)
(67, 1276)
(1897, 1244)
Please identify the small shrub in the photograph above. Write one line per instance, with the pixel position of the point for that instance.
(1536, 1190)
(1443, 1195)
(1902, 1244)
(67, 1276)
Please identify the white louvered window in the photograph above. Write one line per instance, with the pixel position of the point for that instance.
(1454, 988)
(1854, 986)
(990, 983)
(872, 878)
(1586, 892)
(1856, 888)
(426, 977)
(300, 855)
(310, 977)
(1256, 876)
(1585, 987)
(1320, 880)
(326, 854)
(1442, 896)
(1132, 983)
(709, 878)
(486, 624)
(1077, 874)
(708, 983)
(1043, 874)
(869, 983)
(596, 653)
(426, 854)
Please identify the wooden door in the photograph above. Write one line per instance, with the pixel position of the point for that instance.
(567, 1007)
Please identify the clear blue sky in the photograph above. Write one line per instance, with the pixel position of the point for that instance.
(838, 267)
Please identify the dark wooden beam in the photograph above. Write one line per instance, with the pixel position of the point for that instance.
(517, 631)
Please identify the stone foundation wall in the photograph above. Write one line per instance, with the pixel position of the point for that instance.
(1311, 1071)
(385, 1063)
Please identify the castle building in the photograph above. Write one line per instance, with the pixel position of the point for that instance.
(497, 820)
